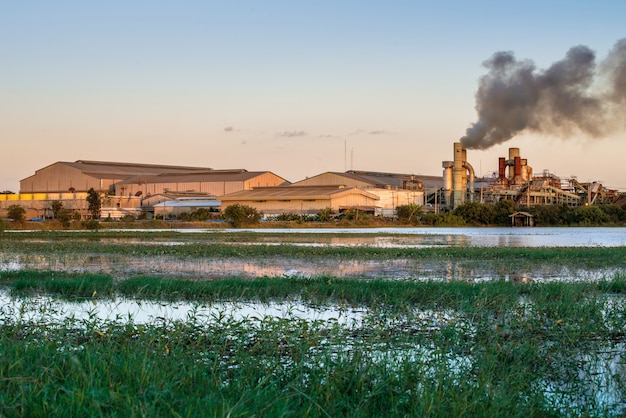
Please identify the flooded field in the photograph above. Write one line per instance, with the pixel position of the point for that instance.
(398, 268)
(500, 320)
(214, 267)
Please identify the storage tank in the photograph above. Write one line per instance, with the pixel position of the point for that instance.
(513, 152)
(447, 181)
(458, 176)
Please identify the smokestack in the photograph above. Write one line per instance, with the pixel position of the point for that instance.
(573, 95)
(513, 153)
(501, 168)
(458, 176)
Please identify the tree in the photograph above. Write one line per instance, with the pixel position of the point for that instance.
(502, 212)
(17, 213)
(240, 215)
(410, 214)
(95, 203)
(60, 213)
(476, 213)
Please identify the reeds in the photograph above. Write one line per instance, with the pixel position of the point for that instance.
(423, 348)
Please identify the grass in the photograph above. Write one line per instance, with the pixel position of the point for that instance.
(316, 289)
(423, 349)
(590, 256)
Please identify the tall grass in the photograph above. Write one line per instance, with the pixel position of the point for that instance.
(590, 256)
(423, 349)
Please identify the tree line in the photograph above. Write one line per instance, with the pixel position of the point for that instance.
(468, 214)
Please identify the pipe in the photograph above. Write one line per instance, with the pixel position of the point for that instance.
(470, 170)
(447, 174)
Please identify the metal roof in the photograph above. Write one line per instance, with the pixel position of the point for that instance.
(102, 168)
(206, 176)
(190, 204)
(296, 192)
(376, 179)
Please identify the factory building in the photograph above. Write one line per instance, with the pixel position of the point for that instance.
(127, 188)
(514, 181)
(212, 182)
(303, 199)
(392, 189)
(82, 175)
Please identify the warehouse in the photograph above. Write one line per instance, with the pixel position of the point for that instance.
(211, 182)
(128, 188)
(82, 175)
(303, 200)
(393, 190)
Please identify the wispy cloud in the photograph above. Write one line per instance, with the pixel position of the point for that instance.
(291, 134)
(371, 132)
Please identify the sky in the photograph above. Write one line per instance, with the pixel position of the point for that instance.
(297, 88)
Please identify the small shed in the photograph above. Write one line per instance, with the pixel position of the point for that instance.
(522, 219)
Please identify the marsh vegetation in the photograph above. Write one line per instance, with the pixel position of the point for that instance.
(315, 345)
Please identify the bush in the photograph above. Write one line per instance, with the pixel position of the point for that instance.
(588, 215)
(128, 218)
(476, 213)
(240, 215)
(325, 214)
(442, 219)
(410, 214)
(91, 224)
(17, 213)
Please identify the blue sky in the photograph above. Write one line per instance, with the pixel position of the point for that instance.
(294, 87)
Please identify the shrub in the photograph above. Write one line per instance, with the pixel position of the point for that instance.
(325, 214)
(91, 224)
(17, 213)
(128, 218)
(240, 215)
(476, 213)
(410, 214)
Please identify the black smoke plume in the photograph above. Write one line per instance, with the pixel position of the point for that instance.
(574, 95)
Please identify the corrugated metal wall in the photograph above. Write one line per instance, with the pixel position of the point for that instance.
(216, 188)
(271, 207)
(332, 179)
(58, 177)
(391, 199)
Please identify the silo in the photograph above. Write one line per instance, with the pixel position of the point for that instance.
(447, 181)
(513, 152)
(458, 176)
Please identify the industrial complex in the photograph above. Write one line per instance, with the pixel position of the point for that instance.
(165, 190)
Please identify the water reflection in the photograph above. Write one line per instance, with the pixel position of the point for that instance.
(48, 309)
(399, 268)
(387, 237)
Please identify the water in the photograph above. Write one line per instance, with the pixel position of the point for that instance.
(399, 268)
(472, 237)
(406, 237)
